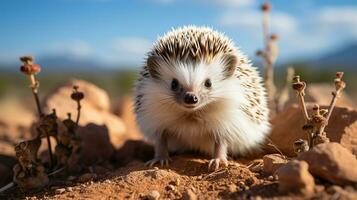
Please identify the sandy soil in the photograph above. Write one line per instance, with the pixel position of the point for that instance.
(187, 177)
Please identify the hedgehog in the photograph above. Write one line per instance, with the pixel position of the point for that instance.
(198, 92)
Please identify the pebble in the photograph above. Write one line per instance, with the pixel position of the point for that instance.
(60, 190)
(170, 188)
(175, 183)
(154, 195)
(270, 178)
(232, 188)
(86, 177)
(250, 181)
(189, 195)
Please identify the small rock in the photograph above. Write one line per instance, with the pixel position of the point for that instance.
(270, 178)
(176, 182)
(108, 181)
(272, 162)
(295, 177)
(154, 195)
(189, 195)
(332, 162)
(60, 190)
(232, 188)
(250, 181)
(170, 188)
(86, 177)
(69, 189)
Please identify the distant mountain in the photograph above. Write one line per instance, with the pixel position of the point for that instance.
(344, 58)
(67, 63)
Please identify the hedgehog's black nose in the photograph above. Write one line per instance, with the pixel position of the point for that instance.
(190, 98)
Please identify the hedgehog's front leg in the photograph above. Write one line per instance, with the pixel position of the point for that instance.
(220, 156)
(161, 152)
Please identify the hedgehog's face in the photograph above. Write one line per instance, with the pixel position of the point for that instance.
(192, 86)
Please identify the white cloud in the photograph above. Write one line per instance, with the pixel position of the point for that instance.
(131, 45)
(281, 23)
(127, 50)
(238, 3)
(330, 19)
(74, 48)
(338, 15)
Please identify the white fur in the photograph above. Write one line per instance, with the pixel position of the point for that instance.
(221, 117)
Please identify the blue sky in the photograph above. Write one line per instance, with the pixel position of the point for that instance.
(118, 32)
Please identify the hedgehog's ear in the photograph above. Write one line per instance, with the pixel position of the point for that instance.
(230, 63)
(152, 64)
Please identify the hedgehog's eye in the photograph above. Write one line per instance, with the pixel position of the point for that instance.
(174, 84)
(208, 83)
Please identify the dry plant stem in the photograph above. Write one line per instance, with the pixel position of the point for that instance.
(275, 147)
(268, 65)
(333, 104)
(78, 112)
(34, 89)
(41, 131)
(331, 107)
(303, 107)
(6, 187)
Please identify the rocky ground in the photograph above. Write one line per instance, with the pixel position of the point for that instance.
(114, 155)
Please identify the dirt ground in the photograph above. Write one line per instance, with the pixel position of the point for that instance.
(187, 177)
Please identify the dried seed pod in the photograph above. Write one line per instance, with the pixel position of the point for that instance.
(26, 69)
(76, 95)
(300, 86)
(26, 60)
(274, 37)
(300, 146)
(259, 53)
(266, 7)
(35, 69)
(323, 112)
(316, 109)
(69, 123)
(339, 75)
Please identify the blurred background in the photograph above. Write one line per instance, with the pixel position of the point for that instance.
(105, 41)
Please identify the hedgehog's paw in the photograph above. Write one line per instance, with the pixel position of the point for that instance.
(214, 164)
(162, 160)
